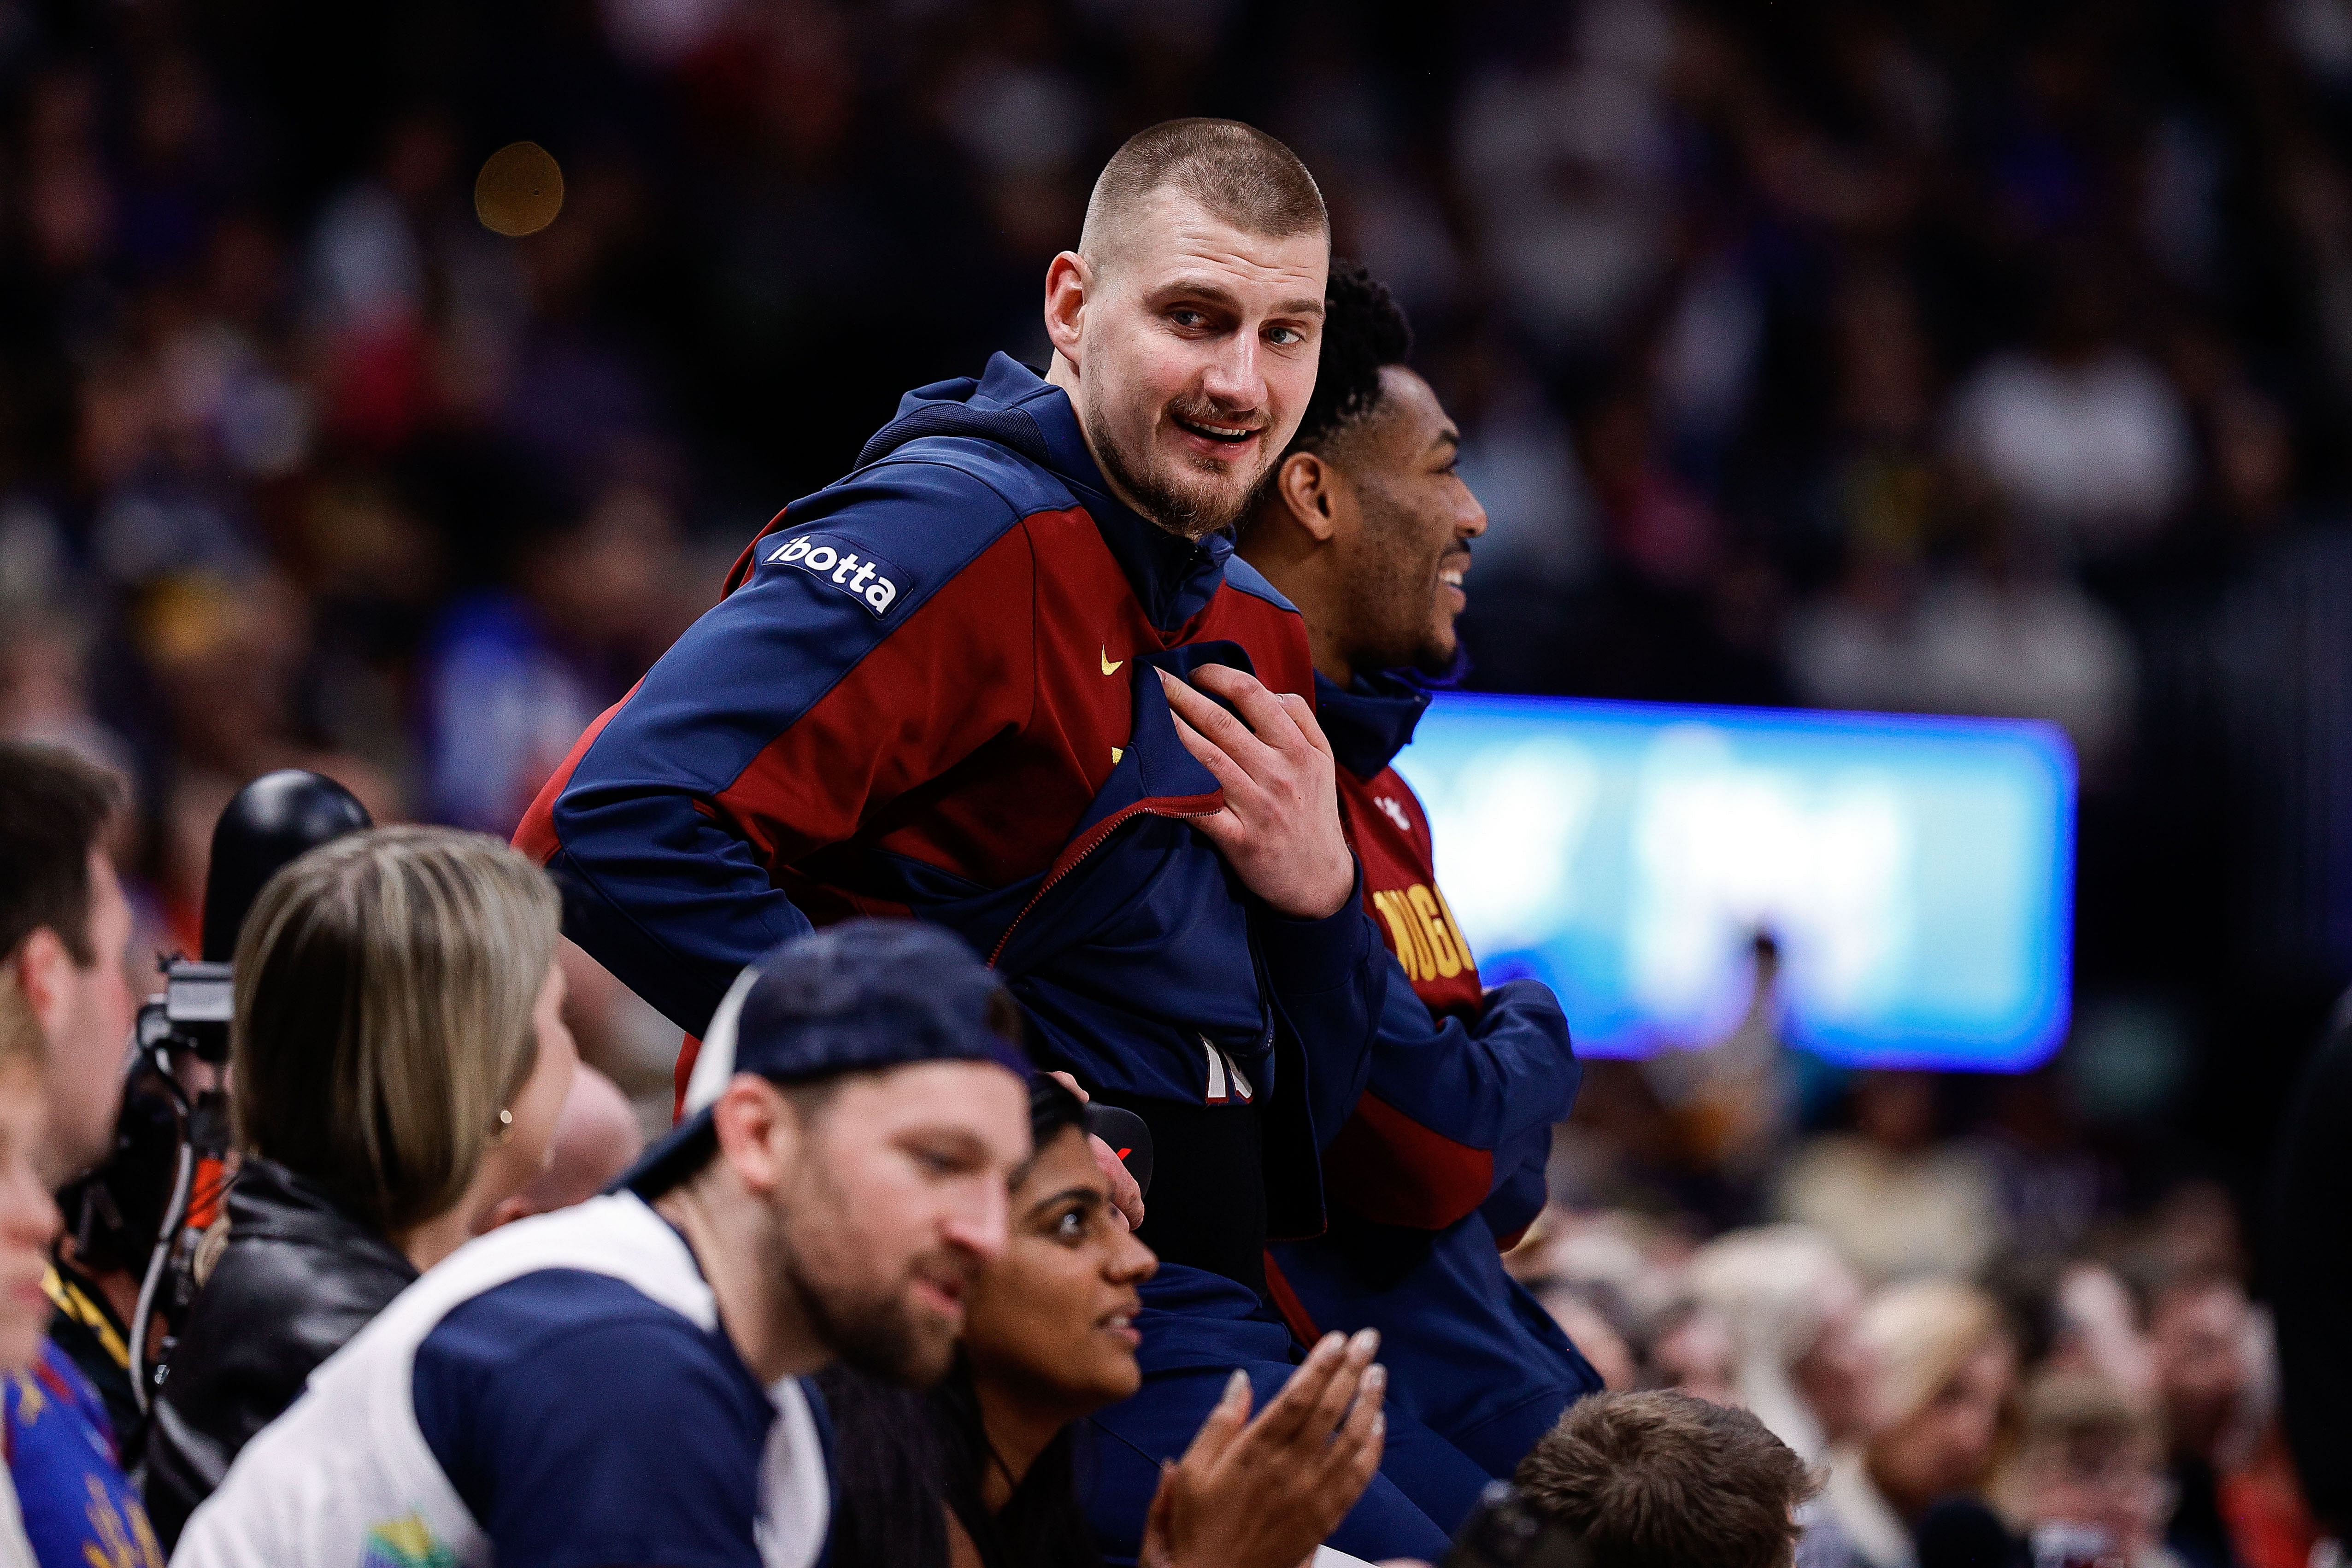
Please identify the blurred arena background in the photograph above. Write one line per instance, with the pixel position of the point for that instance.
(1960, 356)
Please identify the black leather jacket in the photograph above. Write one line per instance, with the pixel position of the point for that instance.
(299, 1277)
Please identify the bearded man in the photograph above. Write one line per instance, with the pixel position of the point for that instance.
(1007, 676)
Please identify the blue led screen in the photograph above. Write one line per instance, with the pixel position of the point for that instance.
(1916, 874)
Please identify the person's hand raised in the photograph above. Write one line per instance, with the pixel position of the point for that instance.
(1279, 828)
(1264, 1493)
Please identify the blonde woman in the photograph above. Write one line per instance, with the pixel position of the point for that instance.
(1942, 1392)
(397, 1062)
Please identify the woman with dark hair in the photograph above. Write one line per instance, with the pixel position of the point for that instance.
(1048, 1340)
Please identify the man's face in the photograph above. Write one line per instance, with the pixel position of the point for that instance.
(899, 1199)
(1405, 556)
(1195, 350)
(87, 1019)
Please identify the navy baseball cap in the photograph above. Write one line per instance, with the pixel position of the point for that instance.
(854, 998)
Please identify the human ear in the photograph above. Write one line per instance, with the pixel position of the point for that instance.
(1310, 491)
(43, 968)
(758, 1132)
(1067, 282)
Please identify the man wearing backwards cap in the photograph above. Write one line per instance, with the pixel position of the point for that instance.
(616, 1383)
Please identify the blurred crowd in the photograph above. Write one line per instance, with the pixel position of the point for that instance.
(1963, 355)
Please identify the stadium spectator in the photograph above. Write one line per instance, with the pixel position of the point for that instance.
(63, 926)
(29, 1223)
(1655, 1479)
(1938, 1413)
(1792, 1304)
(596, 1139)
(1001, 1443)
(2089, 1470)
(2207, 1343)
(1894, 1195)
(398, 1059)
(620, 1382)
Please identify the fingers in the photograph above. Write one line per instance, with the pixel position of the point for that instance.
(1302, 714)
(1356, 1450)
(1331, 1370)
(1224, 1423)
(1356, 1369)
(1126, 1193)
(1274, 719)
(1230, 775)
(1229, 735)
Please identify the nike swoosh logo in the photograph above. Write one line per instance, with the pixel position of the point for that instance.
(1110, 665)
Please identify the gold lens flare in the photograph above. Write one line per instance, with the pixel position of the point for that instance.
(518, 191)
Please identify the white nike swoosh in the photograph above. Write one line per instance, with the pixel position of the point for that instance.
(1110, 665)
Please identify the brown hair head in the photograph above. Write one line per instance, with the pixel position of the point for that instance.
(1238, 173)
(1661, 1479)
(54, 809)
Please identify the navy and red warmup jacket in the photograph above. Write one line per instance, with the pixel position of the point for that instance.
(927, 691)
(1445, 1152)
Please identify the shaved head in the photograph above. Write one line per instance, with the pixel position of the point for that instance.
(1238, 175)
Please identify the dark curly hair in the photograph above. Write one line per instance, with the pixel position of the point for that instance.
(1364, 328)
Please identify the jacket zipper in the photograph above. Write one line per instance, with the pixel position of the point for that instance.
(1093, 841)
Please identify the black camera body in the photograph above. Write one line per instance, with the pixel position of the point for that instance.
(1505, 1530)
(145, 1210)
(192, 1012)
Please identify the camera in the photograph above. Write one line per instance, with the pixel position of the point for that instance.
(1505, 1530)
(144, 1212)
(192, 1012)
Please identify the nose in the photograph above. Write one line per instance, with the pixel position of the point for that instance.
(1471, 521)
(1232, 377)
(980, 1224)
(28, 1215)
(1131, 1262)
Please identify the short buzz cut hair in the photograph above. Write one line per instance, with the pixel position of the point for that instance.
(1662, 1479)
(1237, 173)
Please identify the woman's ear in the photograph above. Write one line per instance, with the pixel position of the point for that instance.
(1312, 494)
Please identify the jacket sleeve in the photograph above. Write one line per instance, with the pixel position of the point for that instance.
(1329, 979)
(829, 682)
(1444, 1096)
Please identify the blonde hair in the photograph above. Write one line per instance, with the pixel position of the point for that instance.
(1918, 1334)
(1773, 1285)
(384, 989)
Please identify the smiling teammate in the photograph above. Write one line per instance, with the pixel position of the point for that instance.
(1006, 677)
(1367, 527)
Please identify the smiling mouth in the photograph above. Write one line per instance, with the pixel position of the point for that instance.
(1223, 434)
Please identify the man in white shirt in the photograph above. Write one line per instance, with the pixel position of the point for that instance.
(614, 1385)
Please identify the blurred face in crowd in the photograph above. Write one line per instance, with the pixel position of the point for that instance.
(521, 1153)
(2201, 1335)
(85, 1011)
(896, 1201)
(28, 1220)
(1833, 1375)
(1052, 1320)
(1189, 348)
(1947, 1445)
(1401, 522)
(2115, 1486)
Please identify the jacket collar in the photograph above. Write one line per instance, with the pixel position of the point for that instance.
(1173, 579)
(267, 1201)
(1368, 723)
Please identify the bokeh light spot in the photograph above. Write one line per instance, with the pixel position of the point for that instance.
(519, 190)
